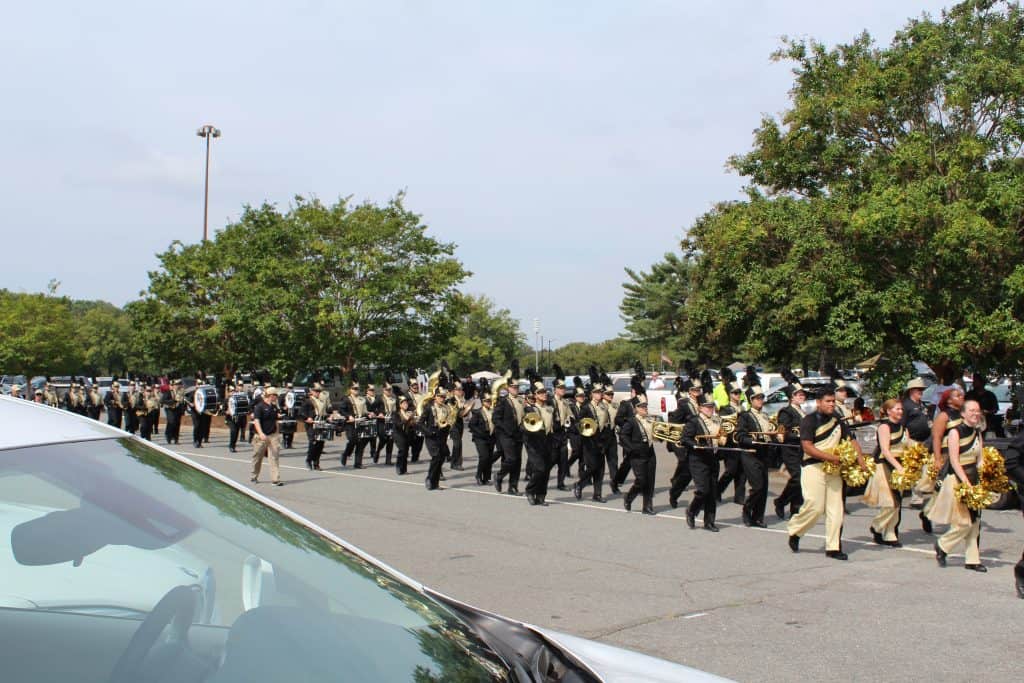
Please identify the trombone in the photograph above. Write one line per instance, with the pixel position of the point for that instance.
(667, 432)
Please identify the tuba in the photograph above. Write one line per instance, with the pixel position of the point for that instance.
(443, 416)
(533, 422)
(668, 432)
(587, 427)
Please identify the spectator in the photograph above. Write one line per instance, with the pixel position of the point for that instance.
(656, 381)
(862, 411)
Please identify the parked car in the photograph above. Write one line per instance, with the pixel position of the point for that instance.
(100, 523)
(8, 381)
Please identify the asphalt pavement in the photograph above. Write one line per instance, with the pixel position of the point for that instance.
(736, 603)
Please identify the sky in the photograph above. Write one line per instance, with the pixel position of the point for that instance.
(556, 143)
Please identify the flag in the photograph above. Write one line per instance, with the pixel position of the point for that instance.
(665, 359)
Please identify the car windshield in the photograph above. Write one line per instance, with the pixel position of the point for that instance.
(95, 534)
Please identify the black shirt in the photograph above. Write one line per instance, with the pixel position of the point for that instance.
(266, 415)
(916, 421)
(817, 427)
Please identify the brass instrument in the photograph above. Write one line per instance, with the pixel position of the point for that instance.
(668, 432)
(728, 424)
(432, 383)
(533, 422)
(500, 384)
(587, 427)
(443, 416)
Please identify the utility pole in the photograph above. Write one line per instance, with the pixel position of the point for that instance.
(207, 132)
(536, 347)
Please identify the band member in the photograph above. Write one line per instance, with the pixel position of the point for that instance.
(892, 440)
(50, 397)
(404, 419)
(918, 430)
(593, 457)
(947, 419)
(756, 435)
(268, 438)
(415, 436)
(733, 471)
(201, 419)
(625, 411)
(687, 407)
(820, 433)
(702, 438)
(38, 398)
(842, 412)
(481, 427)
(460, 410)
(257, 397)
(575, 440)
(610, 443)
(562, 419)
(353, 410)
(508, 418)
(131, 420)
(538, 446)
(236, 419)
(94, 402)
(638, 448)
(435, 424)
(74, 400)
(374, 409)
(964, 447)
(174, 408)
(147, 405)
(314, 410)
(792, 452)
(385, 408)
(113, 403)
(288, 427)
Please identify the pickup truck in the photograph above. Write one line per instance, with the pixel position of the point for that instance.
(661, 402)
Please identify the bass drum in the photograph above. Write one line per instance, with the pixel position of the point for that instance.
(240, 404)
(205, 399)
(294, 399)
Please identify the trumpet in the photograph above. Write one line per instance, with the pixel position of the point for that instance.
(533, 422)
(668, 432)
(728, 424)
(587, 427)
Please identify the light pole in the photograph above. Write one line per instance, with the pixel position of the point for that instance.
(536, 341)
(207, 132)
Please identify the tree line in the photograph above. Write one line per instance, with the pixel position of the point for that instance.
(884, 212)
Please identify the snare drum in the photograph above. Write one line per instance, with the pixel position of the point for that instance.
(389, 429)
(205, 399)
(322, 431)
(366, 429)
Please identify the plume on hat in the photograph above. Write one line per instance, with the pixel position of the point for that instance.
(559, 372)
(752, 379)
(707, 381)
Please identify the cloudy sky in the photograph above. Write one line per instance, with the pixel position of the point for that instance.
(554, 142)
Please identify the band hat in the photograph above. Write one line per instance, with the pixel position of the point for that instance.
(580, 391)
(370, 387)
(39, 392)
(707, 400)
(270, 391)
(735, 388)
(440, 391)
(641, 404)
(539, 386)
(558, 383)
(596, 389)
(403, 399)
(541, 389)
(916, 383)
(609, 390)
(317, 387)
(755, 391)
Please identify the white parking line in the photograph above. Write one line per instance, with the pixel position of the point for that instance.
(590, 506)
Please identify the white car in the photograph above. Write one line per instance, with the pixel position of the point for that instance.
(123, 561)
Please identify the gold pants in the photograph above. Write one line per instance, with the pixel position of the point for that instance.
(823, 493)
(966, 533)
(885, 522)
(272, 448)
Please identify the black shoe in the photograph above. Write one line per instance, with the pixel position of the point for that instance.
(531, 499)
(597, 499)
(478, 480)
(893, 544)
(746, 519)
(1018, 573)
(577, 492)
(649, 510)
(627, 503)
(794, 543)
(457, 469)
(836, 554)
(759, 524)
(976, 568)
(361, 467)
(231, 449)
(940, 555)
(316, 466)
(562, 487)
(513, 490)
(691, 520)
(739, 501)
(615, 487)
(309, 465)
(780, 509)
(497, 484)
(673, 502)
(252, 479)
(926, 524)
(877, 537)
(710, 526)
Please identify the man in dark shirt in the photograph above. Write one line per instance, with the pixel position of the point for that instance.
(919, 429)
(820, 433)
(268, 438)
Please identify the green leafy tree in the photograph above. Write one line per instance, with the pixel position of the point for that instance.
(108, 342)
(318, 285)
(486, 338)
(37, 334)
(654, 304)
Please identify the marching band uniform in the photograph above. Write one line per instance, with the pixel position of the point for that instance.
(50, 396)
(386, 407)
(792, 453)
(508, 418)
(752, 426)
(314, 409)
(638, 446)
(459, 410)
(733, 471)
(609, 442)
(481, 427)
(403, 420)
(236, 421)
(174, 409)
(131, 420)
(625, 412)
(288, 428)
(538, 448)
(964, 523)
(561, 419)
(575, 440)
(145, 407)
(374, 409)
(593, 460)
(353, 407)
(686, 408)
(885, 527)
(436, 437)
(822, 493)
(114, 405)
(94, 403)
(703, 464)
(414, 434)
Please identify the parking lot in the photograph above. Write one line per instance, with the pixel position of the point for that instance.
(737, 603)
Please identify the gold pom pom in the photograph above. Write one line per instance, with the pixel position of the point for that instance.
(992, 473)
(912, 460)
(849, 465)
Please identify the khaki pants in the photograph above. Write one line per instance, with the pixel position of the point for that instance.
(823, 493)
(272, 449)
(885, 523)
(965, 533)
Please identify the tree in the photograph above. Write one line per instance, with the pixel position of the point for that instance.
(315, 286)
(37, 334)
(108, 342)
(487, 339)
(654, 305)
(886, 207)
